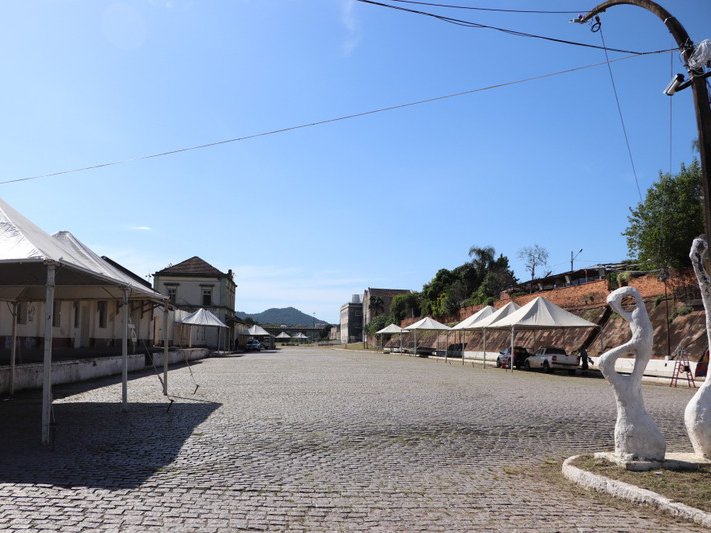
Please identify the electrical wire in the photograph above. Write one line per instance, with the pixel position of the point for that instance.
(493, 9)
(619, 110)
(313, 124)
(471, 24)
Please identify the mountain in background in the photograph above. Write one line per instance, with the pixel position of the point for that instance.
(289, 316)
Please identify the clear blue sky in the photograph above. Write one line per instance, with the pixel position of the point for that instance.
(308, 217)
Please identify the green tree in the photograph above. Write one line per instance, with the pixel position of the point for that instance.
(662, 227)
(378, 323)
(376, 306)
(404, 306)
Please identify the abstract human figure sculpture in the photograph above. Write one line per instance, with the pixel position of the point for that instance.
(636, 434)
(697, 415)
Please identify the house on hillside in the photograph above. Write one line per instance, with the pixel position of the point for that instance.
(194, 284)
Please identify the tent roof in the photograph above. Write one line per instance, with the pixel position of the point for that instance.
(258, 331)
(392, 328)
(487, 322)
(203, 317)
(299, 335)
(25, 250)
(542, 314)
(283, 335)
(428, 323)
(480, 314)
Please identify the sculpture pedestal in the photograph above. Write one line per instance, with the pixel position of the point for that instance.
(672, 461)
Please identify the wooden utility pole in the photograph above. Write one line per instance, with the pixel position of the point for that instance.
(697, 81)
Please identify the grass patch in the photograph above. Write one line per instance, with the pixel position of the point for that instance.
(689, 487)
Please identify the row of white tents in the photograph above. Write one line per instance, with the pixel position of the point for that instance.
(538, 314)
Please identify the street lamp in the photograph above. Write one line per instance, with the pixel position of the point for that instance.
(572, 258)
(697, 81)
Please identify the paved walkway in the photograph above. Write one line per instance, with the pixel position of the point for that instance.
(318, 439)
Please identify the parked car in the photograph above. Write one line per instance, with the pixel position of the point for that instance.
(520, 356)
(550, 358)
(254, 345)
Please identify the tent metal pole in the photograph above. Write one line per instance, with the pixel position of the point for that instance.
(165, 350)
(511, 358)
(13, 350)
(124, 354)
(47, 368)
(484, 330)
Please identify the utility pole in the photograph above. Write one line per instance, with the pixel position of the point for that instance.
(697, 82)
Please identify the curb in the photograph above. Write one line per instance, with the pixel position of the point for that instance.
(625, 491)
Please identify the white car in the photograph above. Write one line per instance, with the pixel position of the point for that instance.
(550, 358)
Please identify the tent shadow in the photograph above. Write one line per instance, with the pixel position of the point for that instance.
(95, 444)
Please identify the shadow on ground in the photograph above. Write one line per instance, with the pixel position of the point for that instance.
(94, 444)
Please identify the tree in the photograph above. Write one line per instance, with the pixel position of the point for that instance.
(378, 323)
(376, 306)
(662, 228)
(405, 305)
(533, 256)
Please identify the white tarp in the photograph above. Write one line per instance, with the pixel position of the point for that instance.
(203, 317)
(479, 315)
(392, 328)
(258, 331)
(25, 250)
(542, 314)
(505, 311)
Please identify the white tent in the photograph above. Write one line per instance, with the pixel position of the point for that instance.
(467, 323)
(283, 335)
(479, 315)
(487, 321)
(258, 331)
(203, 317)
(426, 324)
(299, 336)
(35, 266)
(541, 314)
(389, 330)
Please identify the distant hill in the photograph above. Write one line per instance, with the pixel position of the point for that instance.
(288, 316)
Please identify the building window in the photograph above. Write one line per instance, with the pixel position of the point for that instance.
(57, 314)
(22, 312)
(103, 307)
(75, 308)
(172, 291)
(206, 296)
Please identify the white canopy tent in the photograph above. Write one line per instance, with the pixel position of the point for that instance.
(467, 323)
(203, 317)
(35, 266)
(300, 336)
(389, 330)
(426, 324)
(540, 314)
(258, 331)
(283, 336)
(487, 321)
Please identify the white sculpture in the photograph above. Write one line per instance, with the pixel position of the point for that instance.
(636, 434)
(697, 415)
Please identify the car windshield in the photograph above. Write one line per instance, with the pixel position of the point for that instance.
(560, 351)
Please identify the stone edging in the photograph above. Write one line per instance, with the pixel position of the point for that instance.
(625, 491)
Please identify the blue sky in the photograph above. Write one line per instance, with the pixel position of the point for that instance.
(308, 217)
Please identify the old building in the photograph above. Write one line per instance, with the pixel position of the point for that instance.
(351, 320)
(377, 302)
(194, 284)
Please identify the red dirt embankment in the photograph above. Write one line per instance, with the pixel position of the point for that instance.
(678, 319)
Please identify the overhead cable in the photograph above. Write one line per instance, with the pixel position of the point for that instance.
(493, 9)
(312, 124)
(471, 24)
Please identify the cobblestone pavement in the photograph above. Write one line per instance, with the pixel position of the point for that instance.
(318, 439)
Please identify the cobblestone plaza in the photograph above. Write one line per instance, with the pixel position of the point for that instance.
(322, 440)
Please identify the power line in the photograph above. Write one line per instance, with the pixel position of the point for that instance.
(471, 24)
(317, 123)
(619, 110)
(493, 9)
